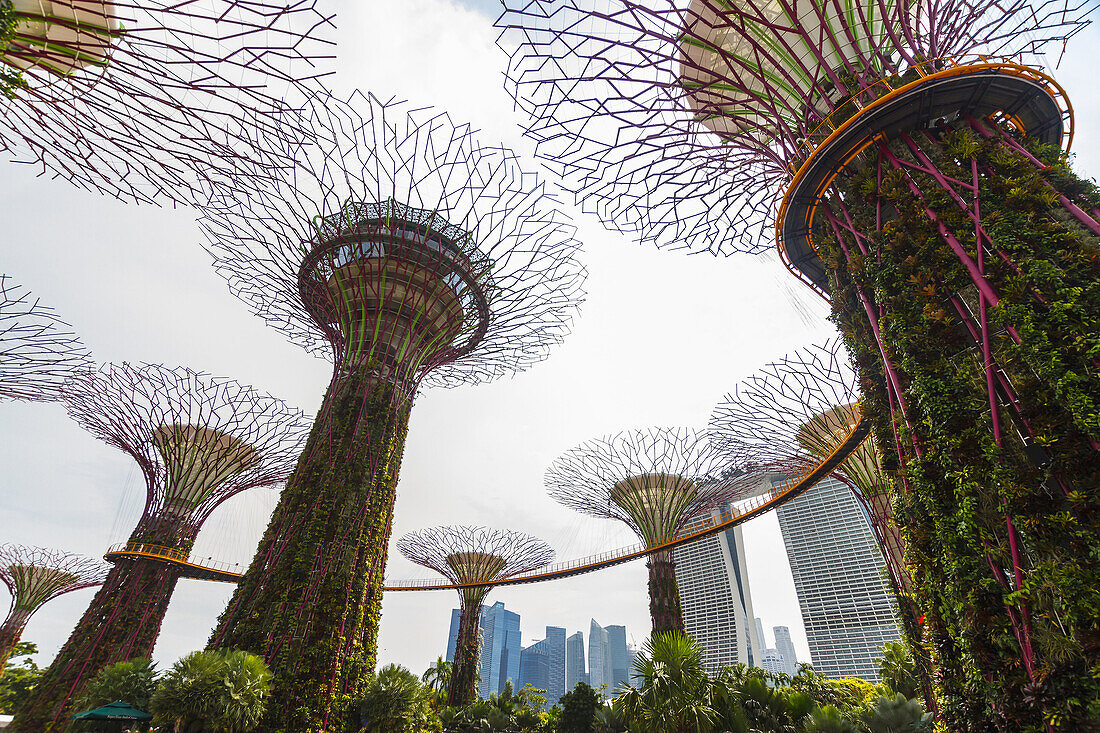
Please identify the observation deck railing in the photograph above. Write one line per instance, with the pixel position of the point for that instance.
(200, 569)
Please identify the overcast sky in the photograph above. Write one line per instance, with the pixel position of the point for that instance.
(660, 339)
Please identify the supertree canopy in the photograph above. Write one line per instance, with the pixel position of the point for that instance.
(794, 413)
(198, 440)
(410, 256)
(655, 481)
(142, 99)
(921, 187)
(38, 352)
(467, 556)
(35, 576)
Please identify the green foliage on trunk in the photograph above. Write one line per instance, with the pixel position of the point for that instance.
(122, 622)
(310, 602)
(11, 79)
(953, 505)
(219, 691)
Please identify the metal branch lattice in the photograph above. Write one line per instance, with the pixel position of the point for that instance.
(794, 413)
(471, 554)
(34, 576)
(398, 241)
(681, 122)
(655, 481)
(143, 100)
(38, 353)
(198, 439)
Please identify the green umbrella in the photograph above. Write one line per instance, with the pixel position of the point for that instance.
(115, 711)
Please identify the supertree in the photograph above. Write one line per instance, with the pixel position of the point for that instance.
(656, 481)
(198, 440)
(921, 188)
(793, 413)
(34, 576)
(410, 256)
(143, 99)
(38, 352)
(467, 556)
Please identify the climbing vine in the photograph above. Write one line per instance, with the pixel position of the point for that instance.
(11, 80)
(320, 563)
(961, 499)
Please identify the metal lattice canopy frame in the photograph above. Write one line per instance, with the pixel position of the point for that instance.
(794, 412)
(38, 352)
(471, 555)
(34, 576)
(681, 121)
(655, 481)
(198, 440)
(410, 255)
(384, 174)
(143, 100)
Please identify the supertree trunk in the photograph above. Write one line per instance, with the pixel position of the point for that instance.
(965, 278)
(463, 687)
(310, 601)
(10, 633)
(664, 594)
(122, 622)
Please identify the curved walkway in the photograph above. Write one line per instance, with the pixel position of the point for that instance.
(763, 503)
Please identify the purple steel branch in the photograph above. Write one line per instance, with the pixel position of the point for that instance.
(34, 576)
(198, 439)
(691, 149)
(387, 155)
(150, 101)
(38, 353)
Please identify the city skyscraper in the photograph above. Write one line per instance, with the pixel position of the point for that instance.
(786, 647)
(548, 653)
(599, 657)
(839, 577)
(500, 649)
(452, 635)
(772, 661)
(555, 686)
(714, 594)
(574, 661)
(534, 667)
(760, 634)
(620, 660)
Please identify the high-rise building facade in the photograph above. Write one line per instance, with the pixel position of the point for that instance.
(772, 661)
(452, 635)
(786, 647)
(555, 685)
(574, 661)
(715, 597)
(620, 660)
(500, 648)
(534, 666)
(839, 577)
(599, 657)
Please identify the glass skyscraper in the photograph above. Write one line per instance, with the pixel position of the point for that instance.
(620, 659)
(599, 657)
(574, 661)
(534, 667)
(500, 648)
(786, 647)
(714, 594)
(840, 580)
(555, 638)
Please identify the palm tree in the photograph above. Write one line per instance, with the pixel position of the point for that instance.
(675, 693)
(898, 670)
(438, 676)
(214, 690)
(896, 715)
(395, 701)
(132, 682)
